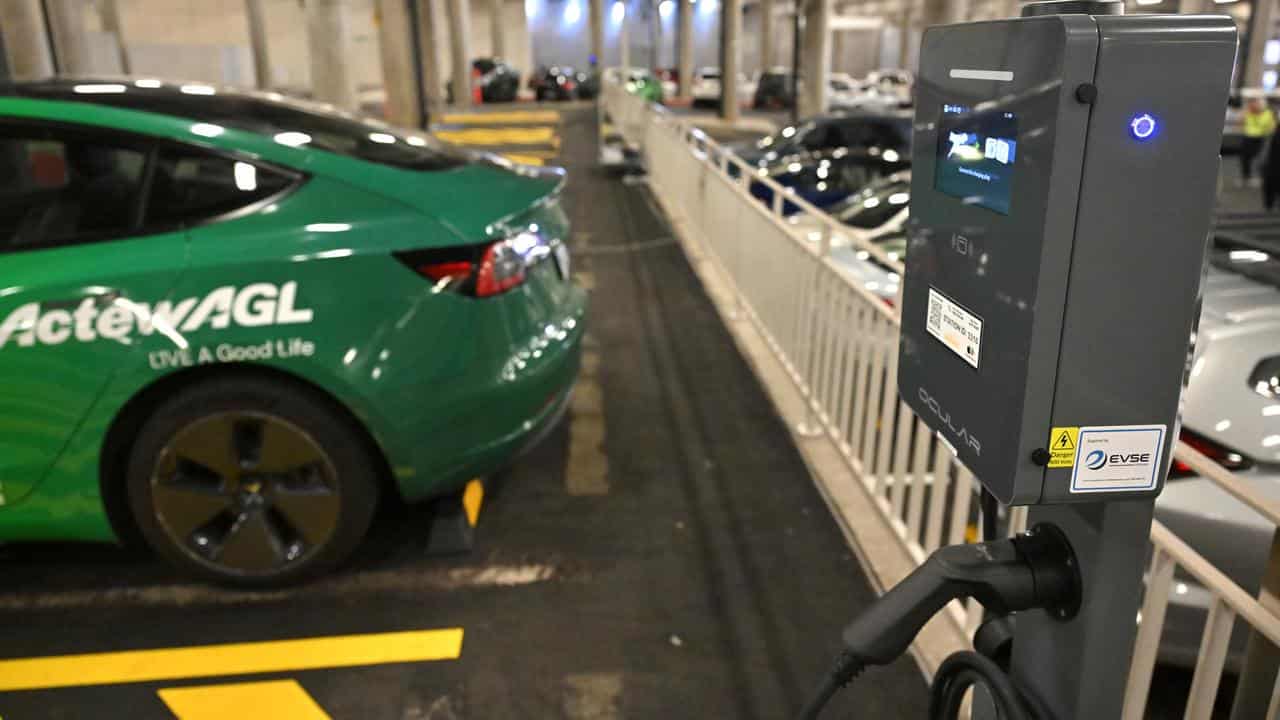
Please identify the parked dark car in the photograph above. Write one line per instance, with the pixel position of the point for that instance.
(825, 160)
(554, 83)
(498, 81)
(588, 84)
(886, 131)
(828, 177)
(775, 90)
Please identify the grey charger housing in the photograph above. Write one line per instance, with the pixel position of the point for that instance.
(1064, 175)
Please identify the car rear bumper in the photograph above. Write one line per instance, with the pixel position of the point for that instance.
(499, 421)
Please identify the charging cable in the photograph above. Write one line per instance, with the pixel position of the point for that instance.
(1036, 569)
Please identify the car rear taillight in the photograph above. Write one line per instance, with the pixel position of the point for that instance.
(456, 270)
(479, 271)
(501, 269)
(1224, 456)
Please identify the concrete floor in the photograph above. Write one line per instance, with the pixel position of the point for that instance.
(662, 555)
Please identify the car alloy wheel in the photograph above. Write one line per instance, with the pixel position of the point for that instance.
(246, 493)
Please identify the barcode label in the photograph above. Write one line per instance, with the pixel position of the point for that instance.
(955, 327)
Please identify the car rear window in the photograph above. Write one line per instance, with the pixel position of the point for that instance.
(1252, 260)
(191, 186)
(1265, 378)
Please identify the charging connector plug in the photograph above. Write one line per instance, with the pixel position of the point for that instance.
(1036, 569)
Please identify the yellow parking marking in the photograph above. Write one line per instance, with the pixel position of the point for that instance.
(501, 118)
(587, 471)
(502, 136)
(276, 699)
(524, 159)
(130, 666)
(472, 498)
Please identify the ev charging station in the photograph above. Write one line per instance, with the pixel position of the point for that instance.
(1065, 166)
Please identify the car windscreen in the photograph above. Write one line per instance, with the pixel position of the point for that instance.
(301, 125)
(787, 137)
(887, 133)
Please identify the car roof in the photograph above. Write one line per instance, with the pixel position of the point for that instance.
(192, 99)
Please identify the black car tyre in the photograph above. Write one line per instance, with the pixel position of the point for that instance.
(251, 482)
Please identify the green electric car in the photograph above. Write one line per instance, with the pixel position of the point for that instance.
(232, 324)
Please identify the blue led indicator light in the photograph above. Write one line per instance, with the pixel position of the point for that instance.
(1142, 126)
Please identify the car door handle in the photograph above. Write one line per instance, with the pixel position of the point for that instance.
(101, 298)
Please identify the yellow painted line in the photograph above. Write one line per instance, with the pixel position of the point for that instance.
(498, 118)
(276, 699)
(587, 469)
(472, 498)
(501, 136)
(131, 666)
(524, 159)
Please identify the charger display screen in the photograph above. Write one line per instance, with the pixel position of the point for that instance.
(976, 156)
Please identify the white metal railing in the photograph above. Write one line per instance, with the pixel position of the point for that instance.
(839, 344)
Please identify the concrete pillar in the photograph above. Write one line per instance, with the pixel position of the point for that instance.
(1261, 26)
(936, 12)
(596, 10)
(111, 23)
(839, 61)
(328, 33)
(904, 38)
(768, 29)
(519, 44)
(460, 47)
(430, 23)
(684, 57)
(624, 39)
(731, 54)
(816, 63)
(396, 49)
(25, 40)
(1197, 6)
(70, 38)
(497, 29)
(255, 16)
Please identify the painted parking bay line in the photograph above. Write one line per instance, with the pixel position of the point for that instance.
(525, 158)
(518, 117)
(275, 699)
(501, 136)
(130, 666)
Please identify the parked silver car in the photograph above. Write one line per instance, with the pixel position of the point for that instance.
(1232, 414)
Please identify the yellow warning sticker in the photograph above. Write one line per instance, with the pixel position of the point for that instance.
(1062, 446)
